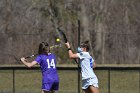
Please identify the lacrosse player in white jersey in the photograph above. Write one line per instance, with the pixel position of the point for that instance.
(89, 79)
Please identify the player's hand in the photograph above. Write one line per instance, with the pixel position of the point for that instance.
(67, 45)
(23, 59)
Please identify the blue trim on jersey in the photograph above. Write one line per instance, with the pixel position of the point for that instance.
(91, 63)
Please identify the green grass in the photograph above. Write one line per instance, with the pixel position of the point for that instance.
(29, 81)
(120, 81)
(125, 82)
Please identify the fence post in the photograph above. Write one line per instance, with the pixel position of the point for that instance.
(139, 81)
(13, 80)
(109, 80)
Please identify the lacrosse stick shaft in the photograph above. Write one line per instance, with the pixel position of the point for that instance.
(79, 26)
(51, 47)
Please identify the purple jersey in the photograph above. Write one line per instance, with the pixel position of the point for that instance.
(50, 79)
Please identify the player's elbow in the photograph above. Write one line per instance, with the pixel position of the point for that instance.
(71, 56)
(29, 65)
(94, 65)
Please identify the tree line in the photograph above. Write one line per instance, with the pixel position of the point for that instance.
(111, 26)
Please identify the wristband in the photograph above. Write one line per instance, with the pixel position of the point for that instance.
(69, 49)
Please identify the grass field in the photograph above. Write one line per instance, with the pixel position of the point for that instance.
(120, 81)
(29, 81)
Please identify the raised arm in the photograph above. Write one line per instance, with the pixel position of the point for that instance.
(71, 54)
(27, 63)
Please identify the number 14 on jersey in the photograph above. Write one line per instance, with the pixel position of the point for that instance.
(51, 63)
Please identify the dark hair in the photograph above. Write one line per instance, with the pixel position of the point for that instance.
(44, 48)
(85, 44)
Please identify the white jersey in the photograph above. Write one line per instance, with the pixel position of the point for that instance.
(86, 62)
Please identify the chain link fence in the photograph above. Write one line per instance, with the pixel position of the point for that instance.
(111, 79)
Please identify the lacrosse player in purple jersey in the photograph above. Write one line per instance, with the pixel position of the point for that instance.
(47, 62)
